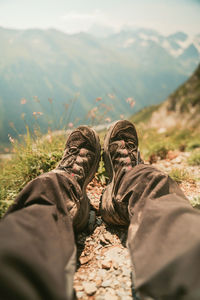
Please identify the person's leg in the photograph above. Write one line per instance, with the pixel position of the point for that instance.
(37, 249)
(163, 234)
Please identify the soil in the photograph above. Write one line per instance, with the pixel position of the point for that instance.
(104, 266)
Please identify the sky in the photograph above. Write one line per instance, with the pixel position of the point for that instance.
(72, 16)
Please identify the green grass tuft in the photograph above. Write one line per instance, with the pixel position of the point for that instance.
(194, 159)
(179, 175)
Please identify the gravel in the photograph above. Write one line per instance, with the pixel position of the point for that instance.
(104, 266)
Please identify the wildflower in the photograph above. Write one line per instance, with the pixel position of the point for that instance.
(34, 113)
(132, 104)
(98, 99)
(11, 139)
(23, 101)
(111, 96)
(129, 100)
(70, 125)
(92, 112)
(108, 120)
(50, 100)
(121, 117)
(40, 113)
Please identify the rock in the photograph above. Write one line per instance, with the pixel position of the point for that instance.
(103, 241)
(108, 237)
(79, 295)
(79, 288)
(98, 281)
(126, 272)
(106, 283)
(115, 265)
(106, 264)
(92, 219)
(90, 288)
(109, 296)
(85, 259)
(172, 154)
(102, 273)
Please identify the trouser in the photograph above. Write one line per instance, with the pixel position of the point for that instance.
(37, 248)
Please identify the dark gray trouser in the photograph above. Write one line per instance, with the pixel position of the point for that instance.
(37, 241)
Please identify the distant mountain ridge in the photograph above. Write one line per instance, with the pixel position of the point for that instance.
(50, 64)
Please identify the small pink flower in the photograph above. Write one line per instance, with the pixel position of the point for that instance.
(23, 101)
(122, 117)
(98, 99)
(70, 125)
(129, 100)
(108, 120)
(40, 113)
(132, 104)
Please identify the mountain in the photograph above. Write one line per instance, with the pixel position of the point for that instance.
(43, 72)
(181, 108)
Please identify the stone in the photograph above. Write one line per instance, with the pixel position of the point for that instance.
(90, 288)
(106, 283)
(108, 237)
(106, 264)
(92, 219)
(79, 295)
(78, 288)
(109, 296)
(115, 265)
(85, 259)
(102, 273)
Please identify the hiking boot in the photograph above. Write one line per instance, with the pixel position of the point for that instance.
(80, 160)
(120, 156)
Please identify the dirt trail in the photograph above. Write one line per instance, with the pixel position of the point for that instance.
(104, 268)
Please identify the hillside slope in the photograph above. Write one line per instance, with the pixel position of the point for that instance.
(182, 108)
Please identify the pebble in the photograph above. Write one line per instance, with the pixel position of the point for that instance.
(106, 264)
(106, 283)
(85, 259)
(79, 295)
(90, 288)
(102, 273)
(92, 219)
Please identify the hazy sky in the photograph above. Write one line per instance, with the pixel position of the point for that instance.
(166, 16)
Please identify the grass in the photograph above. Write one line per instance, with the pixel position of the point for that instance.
(36, 154)
(154, 145)
(179, 175)
(31, 157)
(144, 115)
(194, 159)
(195, 202)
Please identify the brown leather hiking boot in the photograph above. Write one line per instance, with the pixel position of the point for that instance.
(80, 160)
(120, 156)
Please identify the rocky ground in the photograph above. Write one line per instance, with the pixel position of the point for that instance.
(104, 266)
